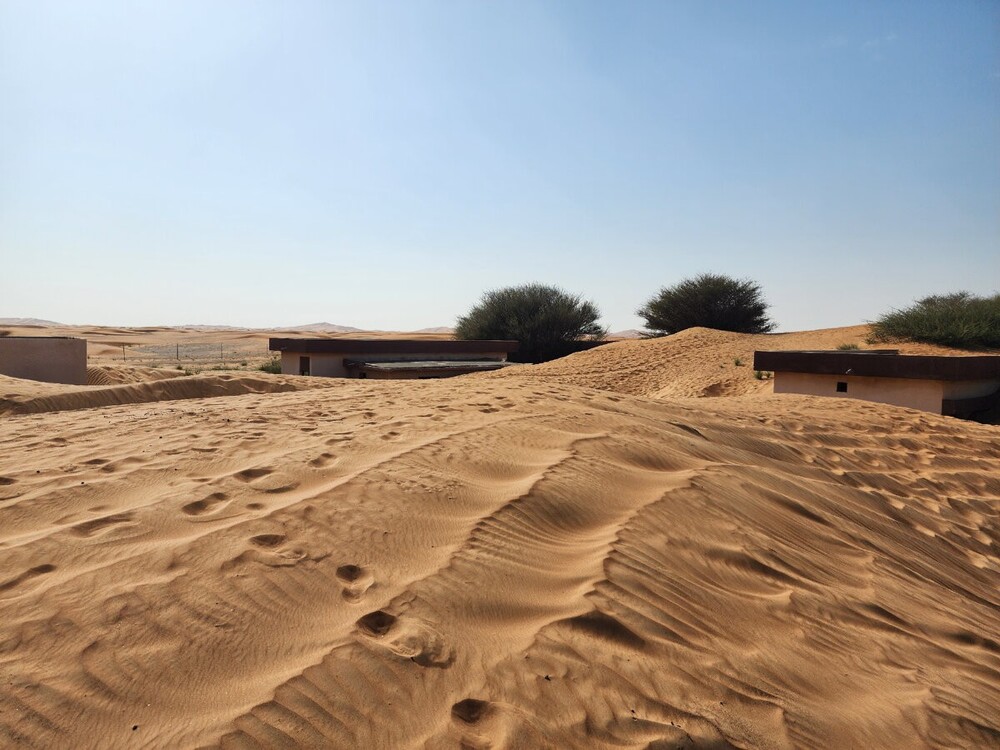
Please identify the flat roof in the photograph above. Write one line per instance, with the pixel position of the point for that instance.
(881, 364)
(390, 346)
(424, 365)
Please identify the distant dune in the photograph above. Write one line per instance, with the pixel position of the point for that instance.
(437, 329)
(630, 333)
(320, 328)
(587, 553)
(27, 322)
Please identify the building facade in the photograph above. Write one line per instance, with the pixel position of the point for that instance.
(956, 386)
(389, 358)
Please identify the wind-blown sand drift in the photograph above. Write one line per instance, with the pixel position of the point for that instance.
(498, 562)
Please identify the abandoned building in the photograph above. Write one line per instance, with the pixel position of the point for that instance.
(962, 386)
(390, 358)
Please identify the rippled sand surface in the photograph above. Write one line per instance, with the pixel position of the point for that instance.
(512, 561)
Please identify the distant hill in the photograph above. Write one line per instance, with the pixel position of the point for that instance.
(437, 329)
(203, 327)
(630, 333)
(28, 322)
(321, 328)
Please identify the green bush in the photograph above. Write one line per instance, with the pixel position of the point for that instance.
(961, 320)
(545, 320)
(708, 300)
(848, 347)
(273, 367)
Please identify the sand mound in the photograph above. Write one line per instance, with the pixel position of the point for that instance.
(498, 562)
(698, 362)
(116, 375)
(31, 397)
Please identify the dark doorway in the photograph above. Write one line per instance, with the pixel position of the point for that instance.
(303, 365)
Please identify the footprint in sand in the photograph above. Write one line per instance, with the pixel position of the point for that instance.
(211, 504)
(100, 525)
(481, 724)
(248, 475)
(26, 576)
(409, 639)
(356, 581)
(268, 541)
(265, 479)
(470, 710)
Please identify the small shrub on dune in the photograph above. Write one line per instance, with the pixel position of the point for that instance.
(545, 320)
(273, 367)
(961, 320)
(848, 347)
(711, 301)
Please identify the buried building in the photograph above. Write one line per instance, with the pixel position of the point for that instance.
(962, 386)
(390, 358)
(52, 359)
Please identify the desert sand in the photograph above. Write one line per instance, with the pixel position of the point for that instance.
(638, 546)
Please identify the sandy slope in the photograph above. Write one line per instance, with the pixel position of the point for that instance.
(114, 375)
(506, 562)
(697, 362)
(31, 397)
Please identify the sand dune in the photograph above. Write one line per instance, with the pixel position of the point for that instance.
(112, 375)
(698, 362)
(497, 562)
(31, 397)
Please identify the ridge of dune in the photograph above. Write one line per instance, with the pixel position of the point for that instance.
(117, 375)
(31, 397)
(483, 562)
(696, 362)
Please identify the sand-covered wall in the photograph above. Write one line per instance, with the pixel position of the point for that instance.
(332, 365)
(49, 359)
(925, 395)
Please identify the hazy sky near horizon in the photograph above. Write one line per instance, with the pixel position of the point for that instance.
(381, 164)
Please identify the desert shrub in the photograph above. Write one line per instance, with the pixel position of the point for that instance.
(273, 366)
(848, 347)
(762, 374)
(961, 319)
(545, 320)
(708, 300)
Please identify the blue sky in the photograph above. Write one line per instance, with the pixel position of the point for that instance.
(381, 164)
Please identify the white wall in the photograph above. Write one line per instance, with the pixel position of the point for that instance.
(925, 395)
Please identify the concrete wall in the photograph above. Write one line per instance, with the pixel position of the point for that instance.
(50, 359)
(332, 365)
(925, 395)
(323, 365)
(970, 388)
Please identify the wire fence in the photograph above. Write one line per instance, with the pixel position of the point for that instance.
(227, 355)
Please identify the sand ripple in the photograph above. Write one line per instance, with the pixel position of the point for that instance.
(498, 562)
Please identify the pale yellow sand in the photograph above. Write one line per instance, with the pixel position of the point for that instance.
(497, 561)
